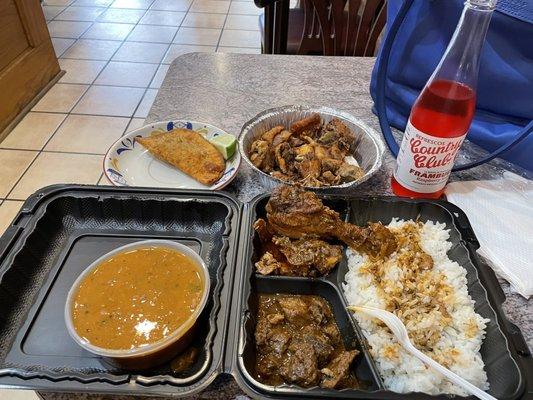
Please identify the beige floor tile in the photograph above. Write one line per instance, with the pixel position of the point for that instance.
(171, 5)
(14, 163)
(141, 52)
(80, 71)
(135, 123)
(110, 100)
(159, 76)
(152, 33)
(146, 104)
(242, 50)
(67, 29)
(52, 11)
(87, 134)
(61, 45)
(108, 31)
(73, 13)
(94, 3)
(51, 168)
(122, 15)
(236, 38)
(60, 98)
(204, 20)
(210, 6)
(156, 17)
(139, 4)
(8, 210)
(102, 182)
(244, 7)
(200, 36)
(33, 131)
(176, 50)
(63, 3)
(245, 22)
(127, 74)
(90, 49)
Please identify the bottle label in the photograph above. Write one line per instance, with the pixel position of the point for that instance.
(425, 162)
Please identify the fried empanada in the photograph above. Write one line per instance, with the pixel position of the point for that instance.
(188, 151)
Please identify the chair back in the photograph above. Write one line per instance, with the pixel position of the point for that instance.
(344, 27)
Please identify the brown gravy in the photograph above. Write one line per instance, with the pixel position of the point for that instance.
(137, 298)
(298, 342)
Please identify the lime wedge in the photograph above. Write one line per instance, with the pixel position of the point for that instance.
(225, 143)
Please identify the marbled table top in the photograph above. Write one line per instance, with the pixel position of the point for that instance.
(227, 90)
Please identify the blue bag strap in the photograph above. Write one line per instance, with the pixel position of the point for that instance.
(383, 63)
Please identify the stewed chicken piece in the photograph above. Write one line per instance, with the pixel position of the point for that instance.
(294, 212)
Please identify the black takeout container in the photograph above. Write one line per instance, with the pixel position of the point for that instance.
(61, 229)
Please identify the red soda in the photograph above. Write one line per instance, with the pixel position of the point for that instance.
(442, 114)
(444, 109)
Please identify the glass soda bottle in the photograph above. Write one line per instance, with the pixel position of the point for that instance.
(442, 114)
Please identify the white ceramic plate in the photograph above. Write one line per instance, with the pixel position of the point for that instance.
(127, 163)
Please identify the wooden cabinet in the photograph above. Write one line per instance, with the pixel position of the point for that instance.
(27, 58)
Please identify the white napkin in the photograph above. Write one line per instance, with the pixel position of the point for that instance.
(501, 214)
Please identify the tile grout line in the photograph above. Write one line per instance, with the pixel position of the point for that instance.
(103, 68)
(60, 125)
(107, 62)
(99, 179)
(62, 151)
(155, 72)
(141, 9)
(222, 30)
(161, 63)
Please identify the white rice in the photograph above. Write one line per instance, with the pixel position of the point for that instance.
(400, 371)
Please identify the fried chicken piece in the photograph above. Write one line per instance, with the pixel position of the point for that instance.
(330, 164)
(321, 152)
(314, 253)
(330, 178)
(337, 132)
(271, 265)
(282, 176)
(188, 151)
(263, 230)
(258, 153)
(261, 153)
(281, 137)
(336, 153)
(310, 125)
(293, 212)
(303, 257)
(311, 181)
(349, 173)
(309, 169)
(295, 141)
(267, 265)
(304, 152)
(269, 136)
(284, 157)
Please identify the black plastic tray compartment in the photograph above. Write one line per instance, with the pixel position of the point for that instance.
(68, 230)
(253, 283)
(506, 368)
(503, 373)
(301, 286)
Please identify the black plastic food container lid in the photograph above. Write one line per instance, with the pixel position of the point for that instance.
(63, 228)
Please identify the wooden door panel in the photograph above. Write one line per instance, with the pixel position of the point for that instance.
(27, 58)
(12, 32)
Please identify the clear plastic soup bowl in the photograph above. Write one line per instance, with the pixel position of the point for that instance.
(154, 353)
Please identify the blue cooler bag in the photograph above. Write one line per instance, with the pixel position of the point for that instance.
(418, 32)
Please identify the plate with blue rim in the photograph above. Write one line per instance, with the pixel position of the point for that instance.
(128, 163)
